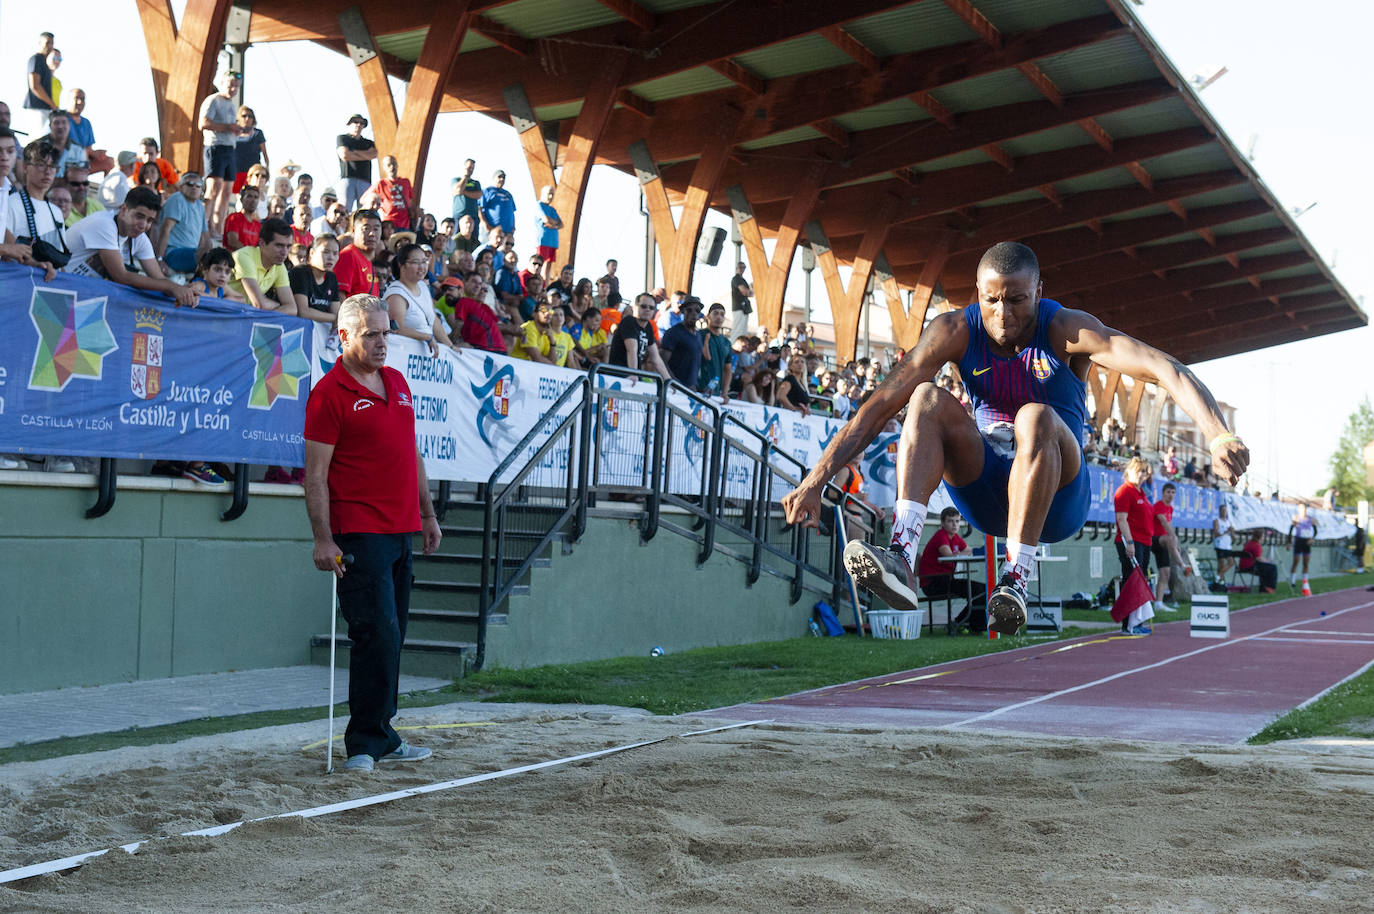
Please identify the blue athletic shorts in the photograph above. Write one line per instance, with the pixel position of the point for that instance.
(983, 502)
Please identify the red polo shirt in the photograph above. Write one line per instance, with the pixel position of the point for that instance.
(1161, 509)
(373, 484)
(354, 273)
(1132, 502)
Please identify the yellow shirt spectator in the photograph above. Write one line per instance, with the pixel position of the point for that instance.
(562, 345)
(533, 337)
(592, 340)
(248, 265)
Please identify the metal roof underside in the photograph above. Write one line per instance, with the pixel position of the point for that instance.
(969, 116)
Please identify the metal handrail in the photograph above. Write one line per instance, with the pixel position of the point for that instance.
(496, 581)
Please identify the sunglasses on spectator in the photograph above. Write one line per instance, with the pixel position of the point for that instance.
(192, 184)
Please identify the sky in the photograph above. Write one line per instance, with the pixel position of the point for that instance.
(1293, 88)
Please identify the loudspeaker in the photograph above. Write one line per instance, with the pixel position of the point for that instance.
(709, 247)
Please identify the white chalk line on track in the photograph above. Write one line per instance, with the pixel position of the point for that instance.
(1321, 631)
(67, 863)
(1319, 641)
(1005, 709)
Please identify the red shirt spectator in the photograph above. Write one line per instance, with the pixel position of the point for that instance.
(1132, 502)
(480, 328)
(1253, 550)
(354, 273)
(395, 197)
(301, 237)
(246, 228)
(930, 565)
(1159, 508)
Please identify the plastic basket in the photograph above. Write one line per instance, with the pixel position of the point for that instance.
(901, 624)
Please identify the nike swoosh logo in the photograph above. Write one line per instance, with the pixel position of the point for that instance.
(979, 371)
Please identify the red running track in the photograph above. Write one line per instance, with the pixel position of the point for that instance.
(1167, 686)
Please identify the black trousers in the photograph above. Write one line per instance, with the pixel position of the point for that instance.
(960, 589)
(374, 597)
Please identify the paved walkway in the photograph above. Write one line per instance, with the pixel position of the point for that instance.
(32, 717)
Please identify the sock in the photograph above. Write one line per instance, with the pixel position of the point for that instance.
(1019, 558)
(908, 520)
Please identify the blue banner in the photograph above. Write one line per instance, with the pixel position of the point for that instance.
(1194, 506)
(93, 368)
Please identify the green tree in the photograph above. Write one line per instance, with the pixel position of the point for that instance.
(1347, 463)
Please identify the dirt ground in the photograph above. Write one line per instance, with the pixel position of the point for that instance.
(764, 818)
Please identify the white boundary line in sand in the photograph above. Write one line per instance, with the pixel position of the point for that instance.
(67, 863)
(1140, 669)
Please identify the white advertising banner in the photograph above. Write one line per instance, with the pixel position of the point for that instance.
(473, 407)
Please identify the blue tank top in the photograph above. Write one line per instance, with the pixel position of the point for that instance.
(1000, 386)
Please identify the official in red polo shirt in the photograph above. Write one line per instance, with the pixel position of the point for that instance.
(366, 494)
(1135, 525)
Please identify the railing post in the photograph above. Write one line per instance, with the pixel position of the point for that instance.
(445, 493)
(655, 497)
(105, 489)
(762, 488)
(585, 448)
(713, 474)
(240, 502)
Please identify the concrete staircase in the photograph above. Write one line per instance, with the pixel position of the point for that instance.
(441, 634)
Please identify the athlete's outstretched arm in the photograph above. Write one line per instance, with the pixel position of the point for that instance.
(943, 340)
(1086, 335)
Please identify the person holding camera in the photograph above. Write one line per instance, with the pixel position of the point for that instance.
(29, 218)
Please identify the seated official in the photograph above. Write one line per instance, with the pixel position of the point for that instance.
(939, 579)
(1267, 572)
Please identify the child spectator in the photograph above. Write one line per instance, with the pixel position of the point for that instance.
(314, 284)
(213, 273)
(241, 229)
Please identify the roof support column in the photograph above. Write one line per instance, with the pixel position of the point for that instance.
(677, 243)
(190, 79)
(160, 34)
(578, 156)
(770, 279)
(426, 89)
(381, 105)
(847, 304)
(907, 324)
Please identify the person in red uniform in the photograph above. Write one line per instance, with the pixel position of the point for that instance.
(938, 578)
(1135, 530)
(354, 267)
(367, 494)
(1267, 572)
(1168, 558)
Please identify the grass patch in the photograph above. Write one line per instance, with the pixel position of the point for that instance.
(1347, 710)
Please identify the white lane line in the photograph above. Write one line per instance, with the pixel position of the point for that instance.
(1324, 691)
(1318, 631)
(1321, 640)
(68, 863)
(996, 712)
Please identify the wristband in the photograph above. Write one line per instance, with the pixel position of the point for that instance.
(1224, 438)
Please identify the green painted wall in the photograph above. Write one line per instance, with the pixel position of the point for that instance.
(157, 587)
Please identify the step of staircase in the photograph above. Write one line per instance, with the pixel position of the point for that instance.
(419, 657)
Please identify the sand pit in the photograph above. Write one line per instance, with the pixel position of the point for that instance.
(770, 818)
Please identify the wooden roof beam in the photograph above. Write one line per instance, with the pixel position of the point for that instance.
(635, 102)
(740, 76)
(975, 20)
(853, 47)
(1095, 130)
(1000, 156)
(885, 149)
(631, 12)
(1142, 177)
(794, 101)
(932, 106)
(510, 40)
(833, 132)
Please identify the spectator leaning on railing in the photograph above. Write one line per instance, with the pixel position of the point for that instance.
(260, 272)
(183, 233)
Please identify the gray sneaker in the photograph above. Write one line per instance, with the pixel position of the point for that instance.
(1007, 605)
(406, 753)
(883, 573)
(358, 763)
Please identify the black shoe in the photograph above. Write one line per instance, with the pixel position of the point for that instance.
(1007, 605)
